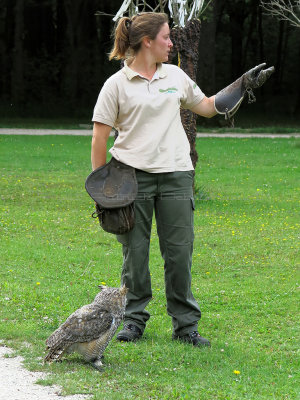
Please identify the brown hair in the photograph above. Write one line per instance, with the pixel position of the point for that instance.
(130, 32)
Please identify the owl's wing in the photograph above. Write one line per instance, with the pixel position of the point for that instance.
(85, 324)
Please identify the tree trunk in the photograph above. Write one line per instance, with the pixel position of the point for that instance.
(17, 74)
(75, 16)
(251, 30)
(206, 74)
(2, 47)
(237, 18)
(186, 43)
(278, 65)
(297, 102)
(261, 35)
(286, 37)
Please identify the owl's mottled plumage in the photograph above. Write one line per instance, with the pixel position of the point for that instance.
(90, 328)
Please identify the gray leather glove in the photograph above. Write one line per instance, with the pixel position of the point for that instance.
(228, 100)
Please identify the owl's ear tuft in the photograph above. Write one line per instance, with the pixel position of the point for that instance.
(102, 287)
(124, 290)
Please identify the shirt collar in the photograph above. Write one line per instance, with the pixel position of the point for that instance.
(161, 70)
(159, 73)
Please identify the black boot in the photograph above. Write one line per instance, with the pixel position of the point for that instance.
(193, 338)
(129, 333)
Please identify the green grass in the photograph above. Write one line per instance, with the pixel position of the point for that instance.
(245, 272)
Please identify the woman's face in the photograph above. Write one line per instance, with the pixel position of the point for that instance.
(162, 44)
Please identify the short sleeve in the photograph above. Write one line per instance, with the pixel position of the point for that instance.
(192, 94)
(106, 109)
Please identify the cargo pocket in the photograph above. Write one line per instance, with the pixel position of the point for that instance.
(193, 209)
(193, 203)
(192, 217)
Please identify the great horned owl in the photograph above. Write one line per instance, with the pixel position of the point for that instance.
(90, 328)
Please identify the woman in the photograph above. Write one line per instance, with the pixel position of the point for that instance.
(142, 101)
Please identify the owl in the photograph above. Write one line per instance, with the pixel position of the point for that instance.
(90, 328)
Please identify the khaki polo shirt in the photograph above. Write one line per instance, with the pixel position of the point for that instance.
(147, 117)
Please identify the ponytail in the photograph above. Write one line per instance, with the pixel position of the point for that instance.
(122, 43)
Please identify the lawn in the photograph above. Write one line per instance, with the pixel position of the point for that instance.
(245, 272)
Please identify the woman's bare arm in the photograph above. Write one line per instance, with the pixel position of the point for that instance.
(99, 144)
(206, 107)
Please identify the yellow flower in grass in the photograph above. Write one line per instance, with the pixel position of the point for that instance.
(236, 372)
(38, 283)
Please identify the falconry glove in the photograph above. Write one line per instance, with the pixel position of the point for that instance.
(229, 99)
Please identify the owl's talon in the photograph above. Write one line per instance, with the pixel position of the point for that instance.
(98, 365)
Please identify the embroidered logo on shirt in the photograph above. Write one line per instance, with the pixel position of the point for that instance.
(169, 90)
(195, 85)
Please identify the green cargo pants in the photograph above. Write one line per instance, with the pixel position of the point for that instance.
(170, 196)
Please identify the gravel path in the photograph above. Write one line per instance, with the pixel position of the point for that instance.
(43, 132)
(88, 132)
(16, 383)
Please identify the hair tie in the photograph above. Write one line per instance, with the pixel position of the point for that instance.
(128, 23)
